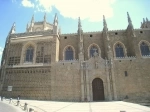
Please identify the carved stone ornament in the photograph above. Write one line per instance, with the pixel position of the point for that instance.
(95, 54)
(96, 65)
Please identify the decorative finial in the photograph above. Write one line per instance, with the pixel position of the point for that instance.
(104, 24)
(104, 21)
(27, 28)
(45, 17)
(143, 20)
(79, 23)
(13, 29)
(129, 19)
(27, 25)
(146, 19)
(59, 30)
(32, 20)
(55, 19)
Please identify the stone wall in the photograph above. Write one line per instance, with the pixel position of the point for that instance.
(136, 84)
(68, 40)
(66, 82)
(33, 83)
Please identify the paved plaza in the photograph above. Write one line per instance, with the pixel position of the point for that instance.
(54, 106)
(5, 107)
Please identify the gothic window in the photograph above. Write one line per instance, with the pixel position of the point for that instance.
(93, 49)
(29, 54)
(42, 51)
(41, 56)
(119, 51)
(69, 53)
(144, 49)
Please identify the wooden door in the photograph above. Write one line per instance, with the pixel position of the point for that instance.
(98, 89)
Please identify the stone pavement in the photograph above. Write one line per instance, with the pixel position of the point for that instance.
(54, 106)
(8, 108)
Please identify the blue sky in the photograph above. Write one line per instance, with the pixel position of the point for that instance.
(68, 11)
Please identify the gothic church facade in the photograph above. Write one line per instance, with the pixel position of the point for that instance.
(106, 65)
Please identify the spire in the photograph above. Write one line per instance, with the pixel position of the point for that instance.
(130, 26)
(45, 17)
(55, 24)
(13, 28)
(143, 20)
(32, 20)
(129, 19)
(146, 19)
(59, 30)
(104, 24)
(79, 24)
(27, 27)
(80, 31)
(104, 21)
(55, 20)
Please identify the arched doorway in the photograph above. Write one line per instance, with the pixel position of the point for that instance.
(98, 89)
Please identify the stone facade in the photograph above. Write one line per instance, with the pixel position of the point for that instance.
(106, 65)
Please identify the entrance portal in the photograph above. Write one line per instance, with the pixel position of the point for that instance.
(98, 89)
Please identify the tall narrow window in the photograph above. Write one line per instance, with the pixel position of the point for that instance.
(69, 54)
(29, 54)
(144, 49)
(93, 49)
(119, 51)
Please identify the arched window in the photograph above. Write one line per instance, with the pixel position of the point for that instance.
(29, 54)
(93, 49)
(69, 53)
(119, 51)
(144, 49)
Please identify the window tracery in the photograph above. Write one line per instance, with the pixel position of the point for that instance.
(29, 54)
(93, 49)
(69, 53)
(42, 56)
(144, 49)
(119, 50)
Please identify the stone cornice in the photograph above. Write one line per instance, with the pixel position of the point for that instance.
(44, 33)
